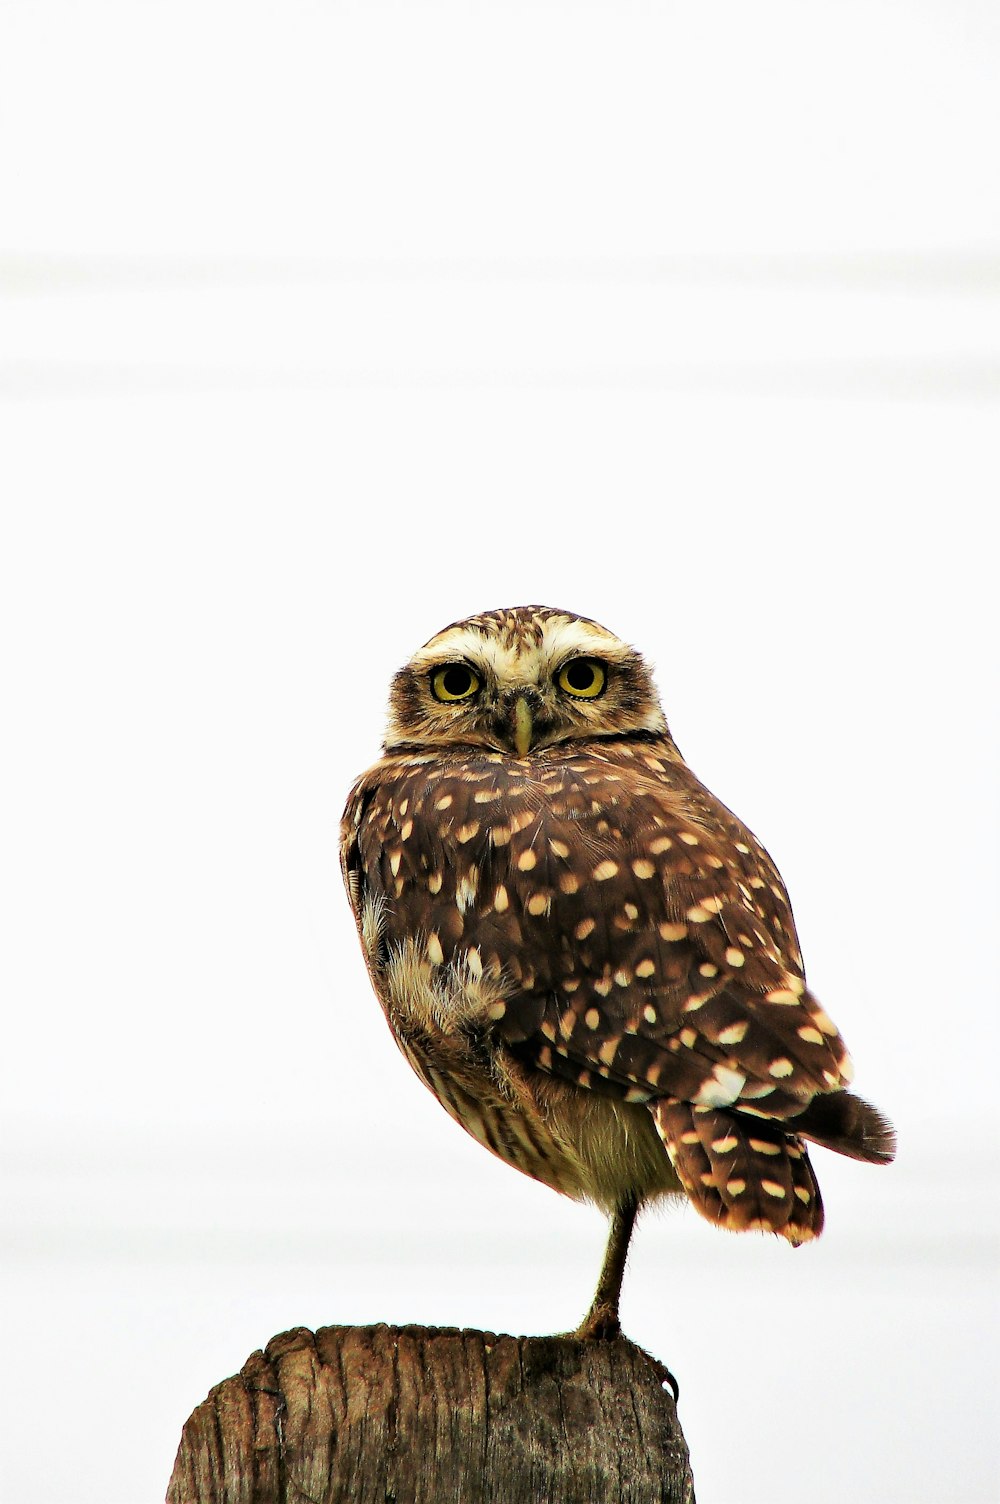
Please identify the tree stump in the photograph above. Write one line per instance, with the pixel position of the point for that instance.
(429, 1415)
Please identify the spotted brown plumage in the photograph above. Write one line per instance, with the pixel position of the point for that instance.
(587, 957)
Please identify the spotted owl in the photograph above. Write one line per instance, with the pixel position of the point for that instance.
(585, 956)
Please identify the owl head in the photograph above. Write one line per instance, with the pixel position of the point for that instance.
(519, 679)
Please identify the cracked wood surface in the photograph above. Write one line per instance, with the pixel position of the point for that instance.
(425, 1415)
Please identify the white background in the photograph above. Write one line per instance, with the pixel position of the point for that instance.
(323, 325)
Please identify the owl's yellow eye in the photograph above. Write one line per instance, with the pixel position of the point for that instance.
(455, 681)
(584, 678)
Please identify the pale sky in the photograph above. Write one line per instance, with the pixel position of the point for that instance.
(321, 326)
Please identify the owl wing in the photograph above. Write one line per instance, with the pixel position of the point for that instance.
(690, 979)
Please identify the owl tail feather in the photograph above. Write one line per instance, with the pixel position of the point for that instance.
(849, 1125)
(745, 1174)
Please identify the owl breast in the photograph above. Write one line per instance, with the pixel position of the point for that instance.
(585, 1146)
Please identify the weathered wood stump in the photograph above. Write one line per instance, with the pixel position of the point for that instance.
(425, 1415)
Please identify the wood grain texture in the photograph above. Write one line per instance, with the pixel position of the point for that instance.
(418, 1415)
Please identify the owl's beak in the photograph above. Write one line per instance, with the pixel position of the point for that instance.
(522, 726)
(520, 716)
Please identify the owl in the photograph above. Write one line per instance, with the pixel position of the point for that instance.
(585, 956)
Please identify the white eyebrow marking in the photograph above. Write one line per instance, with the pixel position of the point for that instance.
(509, 663)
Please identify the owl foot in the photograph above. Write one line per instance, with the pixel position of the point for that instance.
(600, 1324)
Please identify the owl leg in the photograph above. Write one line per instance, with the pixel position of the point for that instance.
(601, 1321)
